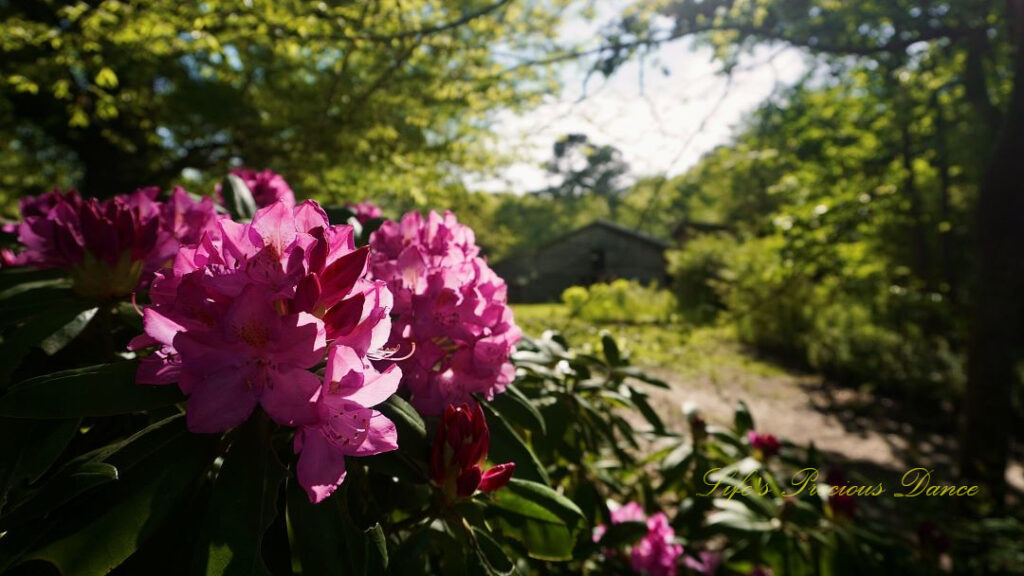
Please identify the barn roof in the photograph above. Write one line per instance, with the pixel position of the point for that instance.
(612, 227)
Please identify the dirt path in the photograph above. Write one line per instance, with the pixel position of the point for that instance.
(864, 433)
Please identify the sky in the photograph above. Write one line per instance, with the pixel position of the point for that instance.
(662, 124)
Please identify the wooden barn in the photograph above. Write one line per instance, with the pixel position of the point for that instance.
(598, 252)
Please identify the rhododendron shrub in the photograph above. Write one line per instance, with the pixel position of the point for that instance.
(189, 388)
(451, 309)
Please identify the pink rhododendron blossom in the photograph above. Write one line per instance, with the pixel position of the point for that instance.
(243, 317)
(365, 211)
(346, 425)
(450, 306)
(111, 246)
(267, 187)
(656, 553)
(706, 563)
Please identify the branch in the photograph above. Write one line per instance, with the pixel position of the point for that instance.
(466, 18)
(892, 46)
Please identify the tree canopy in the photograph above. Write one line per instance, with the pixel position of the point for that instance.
(360, 99)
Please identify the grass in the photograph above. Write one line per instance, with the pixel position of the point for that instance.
(682, 348)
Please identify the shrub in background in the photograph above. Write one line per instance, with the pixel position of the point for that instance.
(831, 312)
(696, 271)
(620, 301)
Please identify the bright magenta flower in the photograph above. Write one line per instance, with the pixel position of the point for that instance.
(459, 450)
(257, 356)
(246, 313)
(346, 425)
(267, 187)
(656, 553)
(112, 246)
(448, 304)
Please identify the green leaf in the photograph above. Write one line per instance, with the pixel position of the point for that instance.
(316, 533)
(243, 504)
(623, 534)
(640, 400)
(23, 302)
(517, 408)
(491, 559)
(55, 324)
(412, 431)
(611, 350)
(327, 542)
(238, 198)
(543, 520)
(58, 340)
(29, 449)
(90, 470)
(735, 516)
(13, 278)
(97, 534)
(638, 374)
(377, 544)
(507, 445)
(742, 420)
(101, 390)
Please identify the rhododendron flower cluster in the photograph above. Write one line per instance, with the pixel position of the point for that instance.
(706, 563)
(245, 315)
(365, 211)
(267, 187)
(109, 247)
(842, 504)
(656, 553)
(765, 444)
(459, 451)
(450, 306)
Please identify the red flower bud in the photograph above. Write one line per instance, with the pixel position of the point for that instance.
(460, 448)
(767, 444)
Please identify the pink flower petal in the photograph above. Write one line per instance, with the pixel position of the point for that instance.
(496, 477)
(219, 400)
(321, 467)
(381, 436)
(290, 397)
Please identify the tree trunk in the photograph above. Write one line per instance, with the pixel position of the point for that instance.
(998, 299)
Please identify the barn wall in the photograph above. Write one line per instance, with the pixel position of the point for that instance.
(576, 259)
